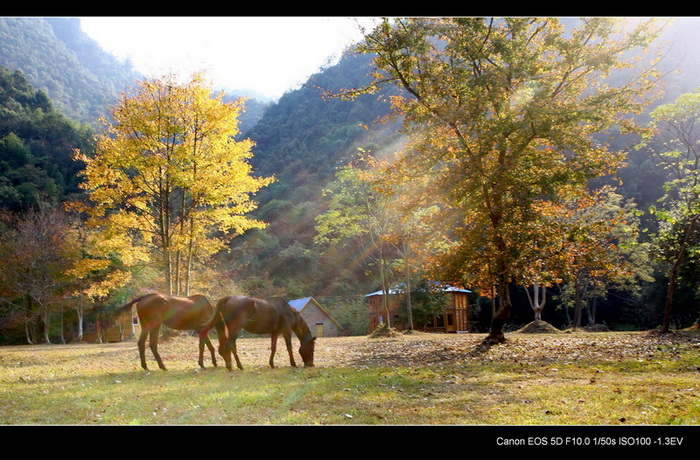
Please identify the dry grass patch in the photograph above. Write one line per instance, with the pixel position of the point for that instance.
(428, 379)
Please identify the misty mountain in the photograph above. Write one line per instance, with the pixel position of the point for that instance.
(58, 58)
(302, 140)
(81, 79)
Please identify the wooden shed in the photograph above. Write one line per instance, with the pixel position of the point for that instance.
(453, 319)
(125, 326)
(318, 319)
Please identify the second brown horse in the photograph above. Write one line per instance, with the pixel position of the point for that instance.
(182, 313)
(269, 316)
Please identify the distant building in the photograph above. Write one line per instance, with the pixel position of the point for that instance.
(123, 327)
(317, 318)
(454, 318)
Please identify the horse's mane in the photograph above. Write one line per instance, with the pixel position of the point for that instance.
(300, 328)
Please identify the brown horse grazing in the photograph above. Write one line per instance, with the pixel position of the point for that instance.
(271, 316)
(182, 313)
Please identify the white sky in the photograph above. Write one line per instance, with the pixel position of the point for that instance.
(269, 55)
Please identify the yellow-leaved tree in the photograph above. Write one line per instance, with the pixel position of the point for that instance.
(169, 183)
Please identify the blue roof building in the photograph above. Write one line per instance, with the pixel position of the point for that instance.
(317, 318)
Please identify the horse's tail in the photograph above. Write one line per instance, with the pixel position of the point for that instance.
(136, 300)
(217, 315)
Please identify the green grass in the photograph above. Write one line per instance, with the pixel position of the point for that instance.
(522, 382)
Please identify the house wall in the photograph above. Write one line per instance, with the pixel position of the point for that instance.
(125, 327)
(454, 319)
(313, 316)
(378, 314)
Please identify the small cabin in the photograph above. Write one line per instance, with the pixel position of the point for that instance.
(317, 318)
(454, 318)
(124, 327)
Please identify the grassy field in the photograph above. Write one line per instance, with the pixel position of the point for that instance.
(636, 378)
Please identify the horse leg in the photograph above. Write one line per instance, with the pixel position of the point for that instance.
(235, 355)
(207, 342)
(204, 340)
(201, 350)
(155, 332)
(223, 344)
(288, 340)
(142, 347)
(231, 347)
(273, 349)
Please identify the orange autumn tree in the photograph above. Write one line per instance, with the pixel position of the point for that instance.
(504, 113)
(169, 182)
(595, 246)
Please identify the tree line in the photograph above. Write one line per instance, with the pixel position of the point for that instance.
(508, 179)
(504, 180)
(165, 185)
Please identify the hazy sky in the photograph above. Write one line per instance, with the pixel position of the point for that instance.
(266, 54)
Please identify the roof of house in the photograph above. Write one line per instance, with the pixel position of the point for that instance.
(399, 289)
(298, 304)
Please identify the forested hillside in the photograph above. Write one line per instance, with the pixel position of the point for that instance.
(56, 82)
(80, 78)
(302, 140)
(36, 146)
(58, 58)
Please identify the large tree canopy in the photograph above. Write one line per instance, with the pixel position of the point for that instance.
(505, 115)
(674, 139)
(168, 180)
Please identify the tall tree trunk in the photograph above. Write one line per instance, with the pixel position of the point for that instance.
(673, 276)
(46, 321)
(28, 333)
(408, 287)
(178, 263)
(536, 303)
(81, 314)
(502, 311)
(190, 258)
(168, 271)
(188, 271)
(27, 324)
(577, 304)
(384, 281)
(591, 311)
(62, 337)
